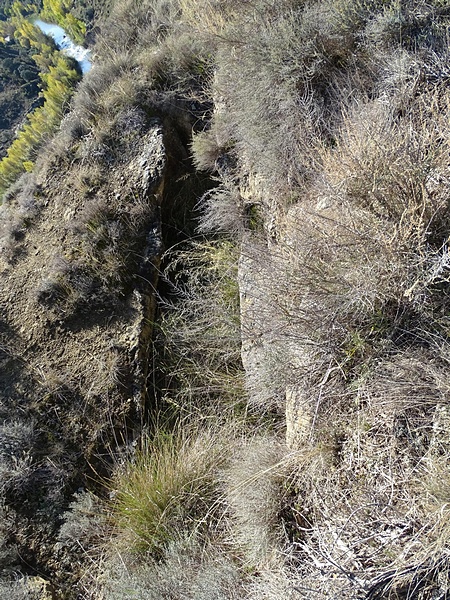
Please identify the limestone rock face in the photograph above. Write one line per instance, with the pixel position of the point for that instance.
(299, 418)
(257, 332)
(274, 354)
(147, 168)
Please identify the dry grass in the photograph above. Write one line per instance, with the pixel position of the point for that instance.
(19, 209)
(216, 16)
(256, 484)
(371, 489)
(222, 210)
(168, 489)
(199, 341)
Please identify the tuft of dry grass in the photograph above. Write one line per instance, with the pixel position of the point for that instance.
(19, 209)
(167, 490)
(222, 210)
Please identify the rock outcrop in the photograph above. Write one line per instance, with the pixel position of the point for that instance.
(77, 306)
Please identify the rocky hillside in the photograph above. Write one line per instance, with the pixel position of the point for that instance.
(224, 322)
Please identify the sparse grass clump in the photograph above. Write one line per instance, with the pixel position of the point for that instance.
(167, 490)
(19, 209)
(17, 448)
(223, 210)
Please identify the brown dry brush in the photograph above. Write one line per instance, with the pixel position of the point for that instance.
(356, 301)
(369, 310)
(355, 270)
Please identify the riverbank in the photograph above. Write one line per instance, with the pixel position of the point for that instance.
(65, 44)
(58, 78)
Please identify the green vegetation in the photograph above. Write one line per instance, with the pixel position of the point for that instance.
(22, 45)
(60, 12)
(168, 490)
(18, 90)
(42, 122)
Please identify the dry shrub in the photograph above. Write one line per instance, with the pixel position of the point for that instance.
(23, 589)
(131, 22)
(211, 17)
(19, 209)
(263, 104)
(183, 64)
(255, 486)
(372, 490)
(383, 178)
(266, 343)
(285, 75)
(354, 313)
(277, 90)
(289, 584)
(26, 481)
(190, 569)
(17, 449)
(222, 210)
(81, 540)
(391, 161)
(361, 267)
(206, 150)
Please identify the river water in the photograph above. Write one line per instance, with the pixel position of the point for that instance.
(64, 43)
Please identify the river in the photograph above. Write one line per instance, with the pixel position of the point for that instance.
(64, 43)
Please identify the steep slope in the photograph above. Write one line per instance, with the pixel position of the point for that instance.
(316, 463)
(74, 363)
(81, 243)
